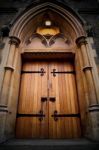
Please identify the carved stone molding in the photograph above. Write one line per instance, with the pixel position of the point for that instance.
(93, 108)
(4, 108)
(41, 37)
(81, 41)
(87, 68)
(14, 41)
(9, 68)
(49, 41)
(59, 35)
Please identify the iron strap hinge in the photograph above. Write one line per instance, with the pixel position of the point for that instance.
(54, 72)
(40, 115)
(41, 72)
(56, 115)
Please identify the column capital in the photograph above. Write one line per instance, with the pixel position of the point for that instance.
(14, 41)
(81, 41)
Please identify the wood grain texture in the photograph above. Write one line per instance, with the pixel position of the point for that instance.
(62, 87)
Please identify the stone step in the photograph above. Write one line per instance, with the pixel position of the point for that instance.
(22, 144)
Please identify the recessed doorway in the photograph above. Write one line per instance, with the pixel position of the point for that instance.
(48, 103)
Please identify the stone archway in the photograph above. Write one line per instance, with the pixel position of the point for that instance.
(86, 76)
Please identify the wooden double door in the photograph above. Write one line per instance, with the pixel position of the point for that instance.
(48, 105)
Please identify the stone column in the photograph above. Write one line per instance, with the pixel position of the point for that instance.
(14, 43)
(93, 110)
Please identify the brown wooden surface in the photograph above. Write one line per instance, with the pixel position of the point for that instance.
(62, 87)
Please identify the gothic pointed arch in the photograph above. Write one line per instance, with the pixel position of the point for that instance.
(59, 35)
(37, 35)
(26, 23)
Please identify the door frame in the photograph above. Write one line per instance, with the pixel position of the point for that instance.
(36, 56)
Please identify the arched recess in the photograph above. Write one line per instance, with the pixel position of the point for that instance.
(23, 29)
(26, 20)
